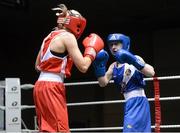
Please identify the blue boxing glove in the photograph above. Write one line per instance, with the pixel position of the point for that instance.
(100, 62)
(123, 56)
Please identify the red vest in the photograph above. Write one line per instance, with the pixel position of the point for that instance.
(52, 63)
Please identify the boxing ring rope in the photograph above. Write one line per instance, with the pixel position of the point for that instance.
(98, 102)
(109, 128)
(30, 86)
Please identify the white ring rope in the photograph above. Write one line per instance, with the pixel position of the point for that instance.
(146, 79)
(27, 86)
(107, 128)
(2, 87)
(2, 107)
(30, 86)
(118, 128)
(98, 102)
(119, 101)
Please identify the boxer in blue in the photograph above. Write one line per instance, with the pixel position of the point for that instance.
(127, 72)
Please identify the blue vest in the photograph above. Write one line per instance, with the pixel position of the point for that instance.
(128, 78)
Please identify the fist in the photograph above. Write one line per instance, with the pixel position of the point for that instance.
(123, 56)
(100, 62)
(102, 56)
(93, 44)
(94, 41)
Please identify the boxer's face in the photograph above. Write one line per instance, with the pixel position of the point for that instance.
(115, 46)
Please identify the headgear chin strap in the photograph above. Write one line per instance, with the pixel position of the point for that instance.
(70, 19)
(117, 37)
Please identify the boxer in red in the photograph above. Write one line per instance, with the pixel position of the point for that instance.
(59, 51)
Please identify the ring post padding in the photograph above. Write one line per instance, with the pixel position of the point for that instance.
(13, 103)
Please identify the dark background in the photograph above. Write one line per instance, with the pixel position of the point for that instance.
(154, 29)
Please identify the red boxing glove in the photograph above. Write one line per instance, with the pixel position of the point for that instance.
(93, 44)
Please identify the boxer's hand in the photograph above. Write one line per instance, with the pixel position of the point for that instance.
(93, 44)
(123, 56)
(100, 62)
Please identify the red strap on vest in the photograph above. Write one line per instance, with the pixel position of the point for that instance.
(157, 104)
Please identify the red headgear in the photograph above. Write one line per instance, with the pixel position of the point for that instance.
(71, 19)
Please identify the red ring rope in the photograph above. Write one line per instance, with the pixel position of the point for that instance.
(157, 104)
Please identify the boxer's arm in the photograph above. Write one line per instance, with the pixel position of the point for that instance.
(37, 62)
(70, 42)
(148, 70)
(103, 81)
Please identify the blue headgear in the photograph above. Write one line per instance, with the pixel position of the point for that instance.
(117, 37)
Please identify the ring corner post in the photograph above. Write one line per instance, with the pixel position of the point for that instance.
(13, 105)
